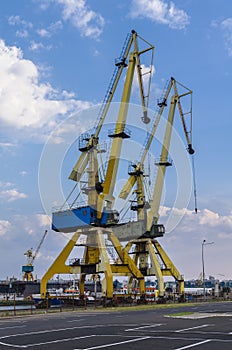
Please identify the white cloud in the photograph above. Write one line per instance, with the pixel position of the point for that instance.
(37, 46)
(208, 217)
(214, 23)
(5, 184)
(24, 26)
(205, 221)
(33, 105)
(226, 26)
(87, 21)
(22, 33)
(12, 195)
(44, 33)
(51, 30)
(161, 12)
(7, 144)
(145, 71)
(44, 220)
(4, 227)
(9, 194)
(23, 173)
(17, 21)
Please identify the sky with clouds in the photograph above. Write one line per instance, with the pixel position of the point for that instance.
(56, 60)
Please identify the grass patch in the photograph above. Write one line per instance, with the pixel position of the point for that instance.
(181, 313)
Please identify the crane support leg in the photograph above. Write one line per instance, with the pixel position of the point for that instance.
(28, 276)
(59, 265)
(170, 269)
(151, 260)
(105, 265)
(131, 279)
(155, 268)
(145, 245)
(95, 260)
(126, 260)
(82, 285)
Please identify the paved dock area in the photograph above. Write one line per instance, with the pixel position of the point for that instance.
(206, 327)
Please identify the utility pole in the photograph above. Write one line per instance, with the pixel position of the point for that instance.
(203, 264)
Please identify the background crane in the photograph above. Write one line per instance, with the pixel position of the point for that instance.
(29, 267)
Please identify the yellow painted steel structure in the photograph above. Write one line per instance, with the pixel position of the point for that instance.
(148, 257)
(96, 258)
(148, 254)
(29, 268)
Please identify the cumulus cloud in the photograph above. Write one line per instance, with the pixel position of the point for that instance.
(206, 221)
(161, 12)
(24, 101)
(226, 26)
(12, 195)
(213, 219)
(43, 220)
(87, 21)
(4, 227)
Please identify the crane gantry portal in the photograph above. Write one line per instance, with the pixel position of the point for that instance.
(99, 218)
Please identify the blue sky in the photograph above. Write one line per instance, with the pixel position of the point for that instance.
(56, 59)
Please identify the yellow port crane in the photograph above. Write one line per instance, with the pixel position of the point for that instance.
(98, 217)
(147, 251)
(29, 267)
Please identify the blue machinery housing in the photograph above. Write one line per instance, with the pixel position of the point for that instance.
(72, 219)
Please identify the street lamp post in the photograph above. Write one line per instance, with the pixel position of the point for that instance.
(203, 262)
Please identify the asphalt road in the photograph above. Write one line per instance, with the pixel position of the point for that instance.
(209, 327)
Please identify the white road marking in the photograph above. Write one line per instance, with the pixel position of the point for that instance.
(192, 345)
(48, 331)
(47, 342)
(197, 327)
(10, 321)
(60, 340)
(12, 345)
(142, 327)
(114, 344)
(12, 327)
